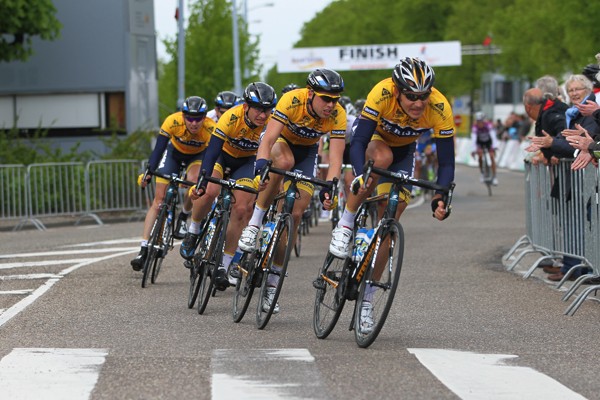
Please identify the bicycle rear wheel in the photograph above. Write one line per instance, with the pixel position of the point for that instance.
(281, 241)
(197, 267)
(153, 245)
(212, 262)
(331, 295)
(298, 243)
(377, 292)
(245, 286)
(487, 172)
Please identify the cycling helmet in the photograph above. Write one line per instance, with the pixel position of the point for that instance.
(413, 75)
(325, 80)
(345, 100)
(590, 71)
(479, 116)
(289, 87)
(226, 100)
(359, 104)
(260, 95)
(194, 106)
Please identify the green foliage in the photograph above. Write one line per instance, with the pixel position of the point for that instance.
(21, 20)
(208, 55)
(136, 146)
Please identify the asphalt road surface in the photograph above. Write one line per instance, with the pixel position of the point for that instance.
(76, 324)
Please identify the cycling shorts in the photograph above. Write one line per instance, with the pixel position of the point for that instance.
(171, 159)
(305, 162)
(241, 169)
(403, 161)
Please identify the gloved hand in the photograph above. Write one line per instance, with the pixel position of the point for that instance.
(325, 194)
(140, 179)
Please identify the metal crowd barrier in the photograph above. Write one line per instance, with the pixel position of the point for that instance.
(562, 219)
(71, 189)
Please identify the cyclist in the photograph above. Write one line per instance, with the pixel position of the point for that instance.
(483, 135)
(223, 102)
(397, 111)
(289, 87)
(183, 137)
(291, 139)
(233, 145)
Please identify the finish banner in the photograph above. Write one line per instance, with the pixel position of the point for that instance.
(365, 57)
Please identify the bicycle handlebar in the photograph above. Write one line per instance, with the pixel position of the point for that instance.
(229, 183)
(172, 178)
(406, 178)
(296, 176)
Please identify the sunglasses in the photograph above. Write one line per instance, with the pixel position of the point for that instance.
(416, 96)
(328, 99)
(266, 110)
(194, 119)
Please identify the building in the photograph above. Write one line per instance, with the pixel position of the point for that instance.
(100, 73)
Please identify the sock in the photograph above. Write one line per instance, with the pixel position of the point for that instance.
(347, 219)
(370, 292)
(257, 216)
(273, 279)
(144, 243)
(226, 260)
(194, 227)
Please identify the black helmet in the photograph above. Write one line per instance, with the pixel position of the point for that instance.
(345, 100)
(590, 71)
(226, 100)
(413, 75)
(194, 106)
(289, 87)
(359, 104)
(325, 80)
(260, 95)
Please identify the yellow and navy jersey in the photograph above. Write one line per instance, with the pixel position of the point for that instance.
(234, 128)
(395, 127)
(300, 127)
(183, 140)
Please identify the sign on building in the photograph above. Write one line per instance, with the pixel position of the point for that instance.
(365, 57)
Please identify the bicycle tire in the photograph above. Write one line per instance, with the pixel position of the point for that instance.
(283, 231)
(153, 242)
(212, 262)
(331, 294)
(487, 172)
(196, 269)
(383, 296)
(165, 242)
(244, 287)
(298, 242)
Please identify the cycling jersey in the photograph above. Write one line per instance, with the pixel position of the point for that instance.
(174, 128)
(395, 127)
(483, 135)
(382, 118)
(300, 127)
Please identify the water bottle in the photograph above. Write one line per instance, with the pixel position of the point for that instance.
(361, 243)
(170, 217)
(267, 232)
(211, 230)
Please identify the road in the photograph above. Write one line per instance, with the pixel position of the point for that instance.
(76, 324)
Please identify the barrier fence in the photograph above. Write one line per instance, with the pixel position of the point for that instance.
(71, 189)
(562, 219)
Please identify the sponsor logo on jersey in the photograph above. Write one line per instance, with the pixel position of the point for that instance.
(386, 92)
(295, 101)
(305, 132)
(243, 143)
(233, 118)
(439, 106)
(446, 132)
(370, 111)
(401, 131)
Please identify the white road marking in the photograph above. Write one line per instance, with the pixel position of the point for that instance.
(21, 305)
(104, 243)
(28, 276)
(23, 291)
(66, 374)
(265, 374)
(486, 376)
(28, 264)
(69, 252)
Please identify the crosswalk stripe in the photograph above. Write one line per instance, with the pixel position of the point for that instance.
(35, 373)
(486, 376)
(265, 374)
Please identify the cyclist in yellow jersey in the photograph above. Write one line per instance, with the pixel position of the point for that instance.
(234, 145)
(183, 137)
(397, 111)
(223, 102)
(291, 139)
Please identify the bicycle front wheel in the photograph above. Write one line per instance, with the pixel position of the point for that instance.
(154, 244)
(378, 288)
(212, 262)
(280, 245)
(163, 249)
(331, 294)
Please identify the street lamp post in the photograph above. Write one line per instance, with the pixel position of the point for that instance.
(180, 55)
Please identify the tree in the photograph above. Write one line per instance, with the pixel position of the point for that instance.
(22, 20)
(208, 55)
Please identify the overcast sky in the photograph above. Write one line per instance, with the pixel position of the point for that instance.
(278, 25)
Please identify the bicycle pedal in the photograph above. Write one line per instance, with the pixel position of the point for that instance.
(319, 284)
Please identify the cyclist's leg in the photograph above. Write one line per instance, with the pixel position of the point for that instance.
(282, 158)
(382, 156)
